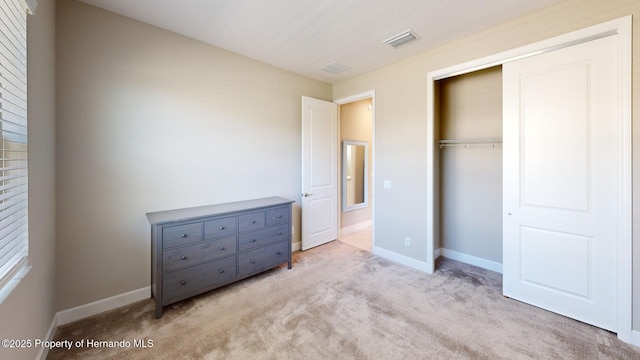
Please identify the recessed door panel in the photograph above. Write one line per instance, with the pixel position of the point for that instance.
(565, 259)
(555, 132)
(320, 148)
(321, 211)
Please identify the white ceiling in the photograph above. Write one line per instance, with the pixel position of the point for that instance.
(305, 35)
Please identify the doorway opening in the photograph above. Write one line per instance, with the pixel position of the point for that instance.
(356, 159)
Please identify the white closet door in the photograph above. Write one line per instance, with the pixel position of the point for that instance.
(561, 181)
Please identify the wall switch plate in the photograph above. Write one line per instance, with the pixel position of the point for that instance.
(407, 241)
(387, 184)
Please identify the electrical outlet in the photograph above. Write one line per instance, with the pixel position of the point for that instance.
(407, 241)
(387, 184)
(293, 230)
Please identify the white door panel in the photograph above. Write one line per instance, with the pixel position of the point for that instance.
(319, 172)
(563, 269)
(560, 181)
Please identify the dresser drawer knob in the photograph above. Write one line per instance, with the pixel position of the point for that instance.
(183, 257)
(252, 221)
(221, 228)
(221, 271)
(182, 282)
(183, 235)
(278, 253)
(279, 216)
(221, 248)
(253, 240)
(279, 233)
(252, 261)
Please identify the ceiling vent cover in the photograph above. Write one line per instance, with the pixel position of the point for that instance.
(402, 38)
(335, 68)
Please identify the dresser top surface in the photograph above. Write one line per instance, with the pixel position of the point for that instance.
(160, 217)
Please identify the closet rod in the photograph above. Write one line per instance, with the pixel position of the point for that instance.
(465, 142)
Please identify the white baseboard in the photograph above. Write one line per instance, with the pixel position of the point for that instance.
(401, 259)
(44, 351)
(470, 259)
(356, 227)
(634, 340)
(100, 306)
(296, 246)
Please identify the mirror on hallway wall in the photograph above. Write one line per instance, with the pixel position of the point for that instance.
(354, 175)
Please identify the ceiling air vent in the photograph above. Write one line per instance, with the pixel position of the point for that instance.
(335, 68)
(402, 38)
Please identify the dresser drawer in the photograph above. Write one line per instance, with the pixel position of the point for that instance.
(257, 238)
(222, 227)
(181, 234)
(278, 216)
(251, 221)
(194, 254)
(193, 279)
(263, 258)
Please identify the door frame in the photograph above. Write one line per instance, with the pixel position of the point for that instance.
(371, 94)
(620, 27)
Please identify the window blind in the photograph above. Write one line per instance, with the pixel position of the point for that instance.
(14, 243)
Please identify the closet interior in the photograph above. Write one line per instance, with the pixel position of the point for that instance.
(469, 157)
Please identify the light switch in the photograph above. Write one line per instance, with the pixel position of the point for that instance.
(387, 184)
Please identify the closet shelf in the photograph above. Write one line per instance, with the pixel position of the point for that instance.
(465, 142)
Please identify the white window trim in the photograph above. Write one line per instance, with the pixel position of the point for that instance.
(19, 274)
(11, 280)
(30, 6)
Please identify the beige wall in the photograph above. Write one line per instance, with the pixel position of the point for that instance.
(149, 120)
(401, 113)
(471, 177)
(356, 124)
(28, 311)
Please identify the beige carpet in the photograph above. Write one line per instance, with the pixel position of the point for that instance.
(340, 302)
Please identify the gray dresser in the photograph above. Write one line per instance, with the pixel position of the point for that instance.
(198, 249)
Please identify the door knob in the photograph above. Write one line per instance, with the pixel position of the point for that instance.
(307, 194)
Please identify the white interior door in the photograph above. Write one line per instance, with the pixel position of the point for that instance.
(319, 172)
(561, 181)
